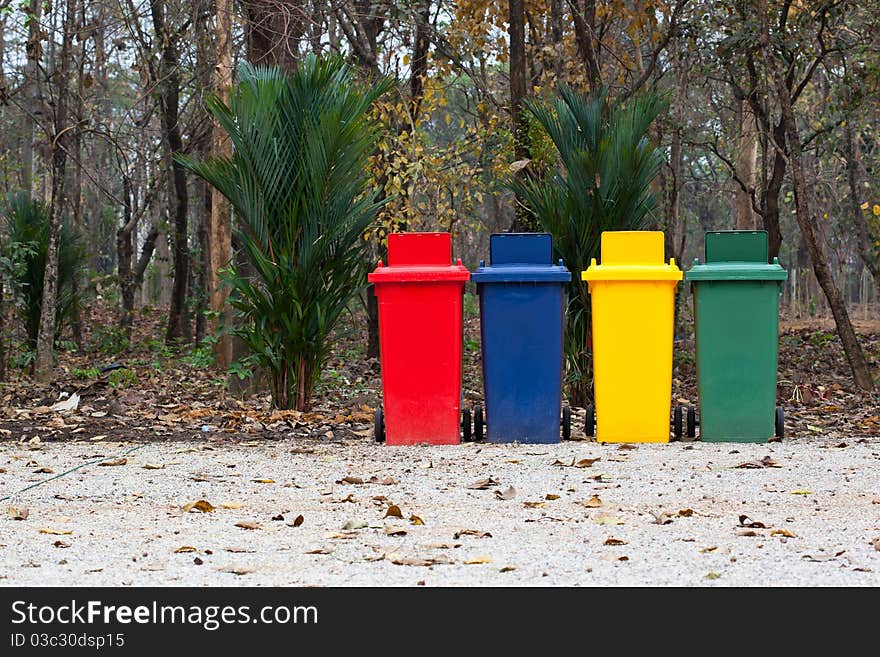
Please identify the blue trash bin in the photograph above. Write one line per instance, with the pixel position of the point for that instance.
(522, 304)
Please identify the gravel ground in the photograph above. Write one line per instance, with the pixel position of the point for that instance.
(668, 514)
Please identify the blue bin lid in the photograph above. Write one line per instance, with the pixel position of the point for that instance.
(521, 258)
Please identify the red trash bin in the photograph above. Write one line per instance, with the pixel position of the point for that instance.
(419, 293)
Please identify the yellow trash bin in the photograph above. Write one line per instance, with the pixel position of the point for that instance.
(633, 299)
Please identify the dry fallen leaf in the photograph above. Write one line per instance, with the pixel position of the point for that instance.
(745, 521)
(765, 462)
(296, 521)
(507, 494)
(506, 569)
(248, 525)
(200, 505)
(801, 492)
(477, 560)
(782, 532)
(746, 532)
(661, 518)
(232, 505)
(354, 524)
(822, 557)
(614, 541)
(592, 503)
(44, 470)
(185, 548)
(686, 513)
(393, 512)
(551, 496)
(263, 481)
(237, 570)
(342, 535)
(239, 550)
(57, 532)
(476, 533)
(392, 530)
(153, 466)
(711, 548)
(415, 520)
(534, 505)
(713, 575)
(17, 513)
(350, 480)
(483, 484)
(609, 520)
(61, 544)
(876, 544)
(121, 461)
(398, 560)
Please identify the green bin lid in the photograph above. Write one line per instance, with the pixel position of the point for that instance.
(736, 255)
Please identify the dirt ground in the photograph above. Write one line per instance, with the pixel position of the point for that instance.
(114, 480)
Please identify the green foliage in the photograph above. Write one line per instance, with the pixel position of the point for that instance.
(24, 262)
(821, 339)
(201, 357)
(602, 182)
(82, 374)
(124, 378)
(110, 340)
(298, 181)
(471, 305)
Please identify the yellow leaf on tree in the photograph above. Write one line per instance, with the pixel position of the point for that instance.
(876, 210)
(865, 205)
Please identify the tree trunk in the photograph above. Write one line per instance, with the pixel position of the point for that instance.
(44, 362)
(864, 241)
(220, 226)
(516, 22)
(770, 194)
(33, 103)
(584, 18)
(746, 164)
(807, 221)
(169, 103)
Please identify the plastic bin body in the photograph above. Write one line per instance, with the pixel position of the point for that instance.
(633, 306)
(419, 294)
(522, 305)
(736, 315)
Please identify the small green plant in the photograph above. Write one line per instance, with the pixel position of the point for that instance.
(159, 347)
(124, 378)
(242, 369)
(471, 305)
(26, 224)
(82, 374)
(683, 358)
(22, 357)
(200, 358)
(820, 339)
(471, 345)
(67, 345)
(110, 340)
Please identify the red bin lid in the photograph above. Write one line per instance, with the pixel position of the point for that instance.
(419, 257)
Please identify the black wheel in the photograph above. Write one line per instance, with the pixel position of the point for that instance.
(566, 423)
(780, 422)
(379, 426)
(466, 425)
(691, 422)
(676, 423)
(590, 421)
(478, 423)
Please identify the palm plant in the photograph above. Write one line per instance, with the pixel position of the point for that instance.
(297, 181)
(27, 240)
(602, 181)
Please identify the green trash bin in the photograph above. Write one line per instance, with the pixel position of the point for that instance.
(736, 314)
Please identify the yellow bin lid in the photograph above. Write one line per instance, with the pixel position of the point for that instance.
(632, 255)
